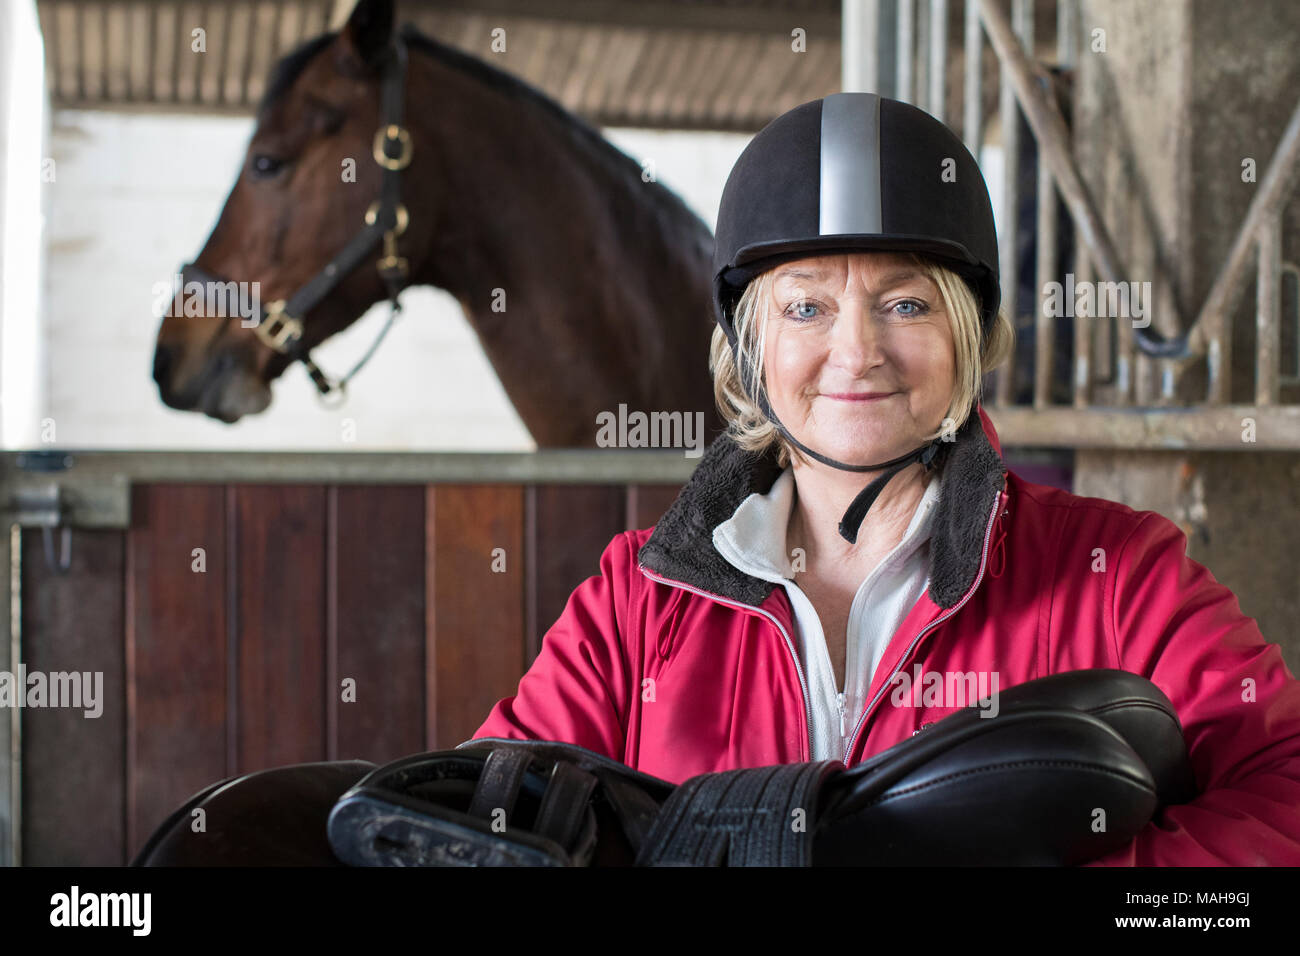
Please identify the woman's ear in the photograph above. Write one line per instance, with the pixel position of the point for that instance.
(367, 33)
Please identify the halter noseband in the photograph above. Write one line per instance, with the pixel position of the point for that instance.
(279, 326)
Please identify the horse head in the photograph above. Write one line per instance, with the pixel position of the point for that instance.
(313, 170)
(511, 198)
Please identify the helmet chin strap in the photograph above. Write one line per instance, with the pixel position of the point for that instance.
(858, 508)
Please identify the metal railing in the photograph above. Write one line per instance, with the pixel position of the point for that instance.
(1125, 376)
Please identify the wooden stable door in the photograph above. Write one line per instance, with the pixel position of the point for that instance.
(241, 626)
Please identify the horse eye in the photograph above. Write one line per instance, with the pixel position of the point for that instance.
(264, 166)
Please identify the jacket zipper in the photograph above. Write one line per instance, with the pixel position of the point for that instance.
(803, 683)
(789, 644)
(988, 533)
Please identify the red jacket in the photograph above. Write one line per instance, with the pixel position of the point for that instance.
(677, 663)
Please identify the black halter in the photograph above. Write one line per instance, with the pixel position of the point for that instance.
(279, 325)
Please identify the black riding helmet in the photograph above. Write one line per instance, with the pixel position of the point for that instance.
(853, 172)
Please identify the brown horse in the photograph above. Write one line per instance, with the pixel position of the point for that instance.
(587, 286)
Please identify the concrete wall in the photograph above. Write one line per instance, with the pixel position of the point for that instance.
(1185, 90)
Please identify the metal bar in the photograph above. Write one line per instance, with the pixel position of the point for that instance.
(548, 466)
(860, 46)
(1293, 316)
(973, 120)
(921, 66)
(1201, 428)
(904, 87)
(1117, 197)
(938, 57)
(1083, 333)
(1045, 260)
(1209, 332)
(886, 48)
(1022, 13)
(1008, 239)
(1053, 140)
(1067, 14)
(1161, 306)
(1268, 310)
(1134, 231)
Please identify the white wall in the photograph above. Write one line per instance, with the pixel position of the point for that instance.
(137, 194)
(23, 117)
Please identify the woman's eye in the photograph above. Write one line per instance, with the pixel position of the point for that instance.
(803, 311)
(264, 166)
(910, 307)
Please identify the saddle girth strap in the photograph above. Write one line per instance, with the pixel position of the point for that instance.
(498, 787)
(764, 816)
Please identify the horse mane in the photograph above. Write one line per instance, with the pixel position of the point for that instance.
(621, 168)
(286, 71)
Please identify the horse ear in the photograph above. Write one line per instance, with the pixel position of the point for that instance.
(369, 29)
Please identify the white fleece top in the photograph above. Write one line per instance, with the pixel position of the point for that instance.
(753, 540)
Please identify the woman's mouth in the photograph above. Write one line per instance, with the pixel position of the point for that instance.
(858, 396)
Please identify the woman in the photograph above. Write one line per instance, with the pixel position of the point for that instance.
(782, 612)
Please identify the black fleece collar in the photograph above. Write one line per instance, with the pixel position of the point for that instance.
(681, 546)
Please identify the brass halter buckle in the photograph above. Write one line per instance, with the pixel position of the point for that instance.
(403, 218)
(391, 266)
(388, 134)
(278, 328)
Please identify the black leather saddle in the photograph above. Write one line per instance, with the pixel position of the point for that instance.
(1070, 769)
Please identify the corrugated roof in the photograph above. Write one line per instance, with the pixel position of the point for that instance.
(687, 64)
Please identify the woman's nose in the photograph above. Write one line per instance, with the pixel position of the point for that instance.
(856, 340)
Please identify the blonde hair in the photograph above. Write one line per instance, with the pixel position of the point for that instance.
(754, 431)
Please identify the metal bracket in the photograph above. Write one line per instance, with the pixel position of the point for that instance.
(46, 491)
(1291, 269)
(43, 506)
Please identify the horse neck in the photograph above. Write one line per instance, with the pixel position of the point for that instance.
(521, 207)
(508, 169)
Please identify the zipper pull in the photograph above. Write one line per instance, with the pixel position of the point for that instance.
(843, 728)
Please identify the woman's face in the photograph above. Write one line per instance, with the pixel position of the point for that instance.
(841, 328)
